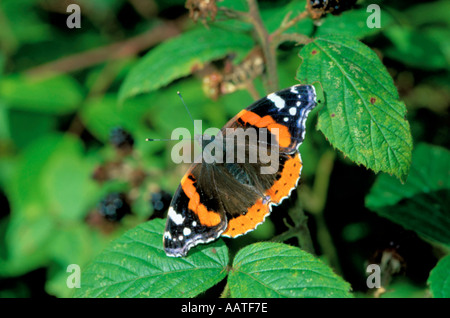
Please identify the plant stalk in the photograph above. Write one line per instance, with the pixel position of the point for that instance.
(268, 50)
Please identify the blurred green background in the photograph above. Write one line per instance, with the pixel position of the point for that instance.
(64, 162)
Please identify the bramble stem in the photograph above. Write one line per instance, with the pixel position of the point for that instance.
(226, 292)
(286, 24)
(268, 50)
(252, 90)
(300, 229)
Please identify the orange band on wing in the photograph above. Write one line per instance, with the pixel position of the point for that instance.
(281, 188)
(283, 135)
(288, 180)
(206, 218)
(244, 223)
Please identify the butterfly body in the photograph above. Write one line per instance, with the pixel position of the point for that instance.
(257, 165)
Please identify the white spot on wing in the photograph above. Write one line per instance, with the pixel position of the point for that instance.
(315, 95)
(292, 111)
(176, 218)
(186, 231)
(277, 100)
(294, 90)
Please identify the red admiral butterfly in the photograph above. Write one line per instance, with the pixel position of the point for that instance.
(231, 199)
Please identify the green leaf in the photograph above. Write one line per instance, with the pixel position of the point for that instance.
(362, 116)
(67, 184)
(439, 279)
(75, 244)
(352, 23)
(135, 265)
(274, 16)
(406, 288)
(419, 48)
(429, 12)
(44, 173)
(49, 189)
(26, 238)
(181, 56)
(102, 114)
(238, 5)
(279, 270)
(31, 29)
(24, 127)
(420, 36)
(422, 203)
(55, 95)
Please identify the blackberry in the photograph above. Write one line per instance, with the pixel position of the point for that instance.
(321, 7)
(114, 207)
(121, 139)
(160, 202)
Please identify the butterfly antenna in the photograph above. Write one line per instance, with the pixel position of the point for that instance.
(185, 106)
(192, 119)
(189, 113)
(157, 139)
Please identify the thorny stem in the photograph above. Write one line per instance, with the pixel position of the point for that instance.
(304, 237)
(268, 50)
(270, 42)
(294, 37)
(277, 37)
(300, 230)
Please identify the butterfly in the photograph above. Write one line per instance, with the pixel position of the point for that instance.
(231, 197)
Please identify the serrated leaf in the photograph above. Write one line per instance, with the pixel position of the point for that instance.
(362, 116)
(181, 56)
(439, 279)
(135, 265)
(278, 270)
(422, 203)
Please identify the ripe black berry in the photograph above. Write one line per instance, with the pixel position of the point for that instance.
(120, 138)
(321, 7)
(114, 207)
(160, 202)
